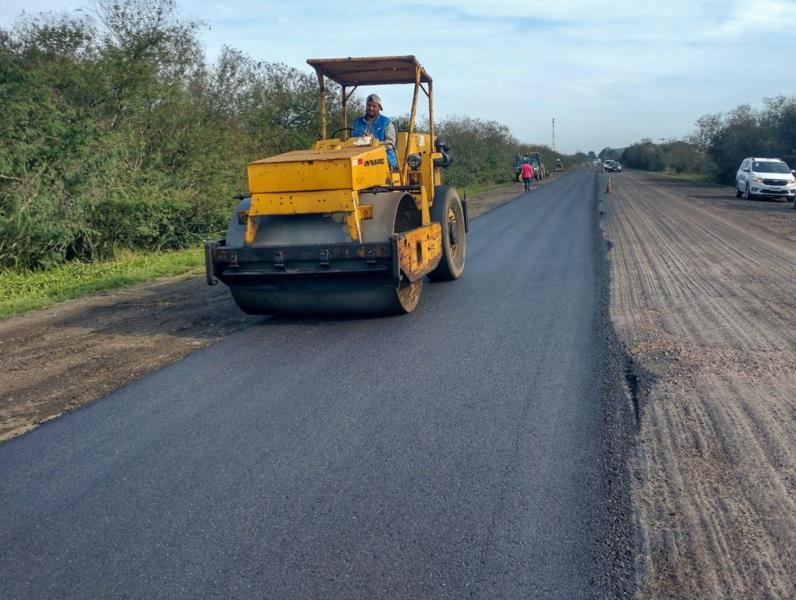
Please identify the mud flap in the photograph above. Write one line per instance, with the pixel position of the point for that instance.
(209, 270)
(418, 250)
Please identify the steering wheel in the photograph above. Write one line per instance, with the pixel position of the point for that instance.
(336, 131)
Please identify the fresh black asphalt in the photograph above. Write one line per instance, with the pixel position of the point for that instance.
(451, 453)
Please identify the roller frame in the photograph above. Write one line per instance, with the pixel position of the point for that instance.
(255, 265)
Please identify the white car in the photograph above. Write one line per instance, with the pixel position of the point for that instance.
(765, 177)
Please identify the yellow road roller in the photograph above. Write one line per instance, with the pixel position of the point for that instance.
(336, 229)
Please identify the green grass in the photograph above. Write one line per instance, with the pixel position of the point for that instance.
(698, 177)
(21, 291)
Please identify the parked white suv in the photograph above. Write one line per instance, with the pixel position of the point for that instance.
(765, 177)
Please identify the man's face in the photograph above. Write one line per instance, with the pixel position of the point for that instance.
(372, 109)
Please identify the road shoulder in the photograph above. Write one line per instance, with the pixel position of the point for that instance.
(703, 289)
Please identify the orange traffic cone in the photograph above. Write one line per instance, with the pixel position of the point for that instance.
(608, 186)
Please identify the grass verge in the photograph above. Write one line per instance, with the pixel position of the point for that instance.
(697, 177)
(21, 291)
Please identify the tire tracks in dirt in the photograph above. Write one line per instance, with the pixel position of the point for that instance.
(704, 300)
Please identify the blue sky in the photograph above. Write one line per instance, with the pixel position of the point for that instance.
(610, 73)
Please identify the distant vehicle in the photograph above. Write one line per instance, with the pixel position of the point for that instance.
(559, 165)
(535, 160)
(612, 166)
(769, 177)
(541, 172)
(520, 160)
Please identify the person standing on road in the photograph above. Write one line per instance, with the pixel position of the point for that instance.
(375, 123)
(527, 175)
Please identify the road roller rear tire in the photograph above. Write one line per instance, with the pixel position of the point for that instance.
(447, 211)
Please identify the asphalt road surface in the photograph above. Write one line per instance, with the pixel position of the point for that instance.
(450, 453)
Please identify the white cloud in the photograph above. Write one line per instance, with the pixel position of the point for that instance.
(749, 17)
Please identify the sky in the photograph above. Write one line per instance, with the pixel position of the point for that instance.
(609, 73)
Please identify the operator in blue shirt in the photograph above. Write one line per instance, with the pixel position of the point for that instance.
(375, 123)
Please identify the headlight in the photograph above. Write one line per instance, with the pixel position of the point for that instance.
(757, 179)
(414, 161)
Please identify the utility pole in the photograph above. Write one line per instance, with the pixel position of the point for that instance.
(554, 133)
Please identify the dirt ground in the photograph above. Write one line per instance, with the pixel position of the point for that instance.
(69, 354)
(704, 300)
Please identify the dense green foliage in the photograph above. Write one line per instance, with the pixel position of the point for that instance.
(116, 134)
(728, 139)
(721, 142)
(483, 150)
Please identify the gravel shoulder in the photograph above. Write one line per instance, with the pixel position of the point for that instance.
(69, 354)
(704, 302)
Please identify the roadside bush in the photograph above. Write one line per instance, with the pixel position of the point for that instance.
(643, 155)
(116, 134)
(144, 224)
(722, 141)
(483, 151)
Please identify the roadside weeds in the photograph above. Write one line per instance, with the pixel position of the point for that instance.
(21, 292)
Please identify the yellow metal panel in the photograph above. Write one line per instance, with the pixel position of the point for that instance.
(351, 168)
(428, 175)
(354, 226)
(298, 203)
(251, 231)
(299, 176)
(425, 213)
(370, 169)
(420, 142)
(420, 250)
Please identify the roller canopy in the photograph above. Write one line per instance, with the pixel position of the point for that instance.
(370, 70)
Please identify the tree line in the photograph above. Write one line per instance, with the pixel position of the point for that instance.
(115, 132)
(720, 142)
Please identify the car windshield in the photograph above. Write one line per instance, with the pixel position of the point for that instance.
(770, 167)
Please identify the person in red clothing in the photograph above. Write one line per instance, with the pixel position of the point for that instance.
(527, 175)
